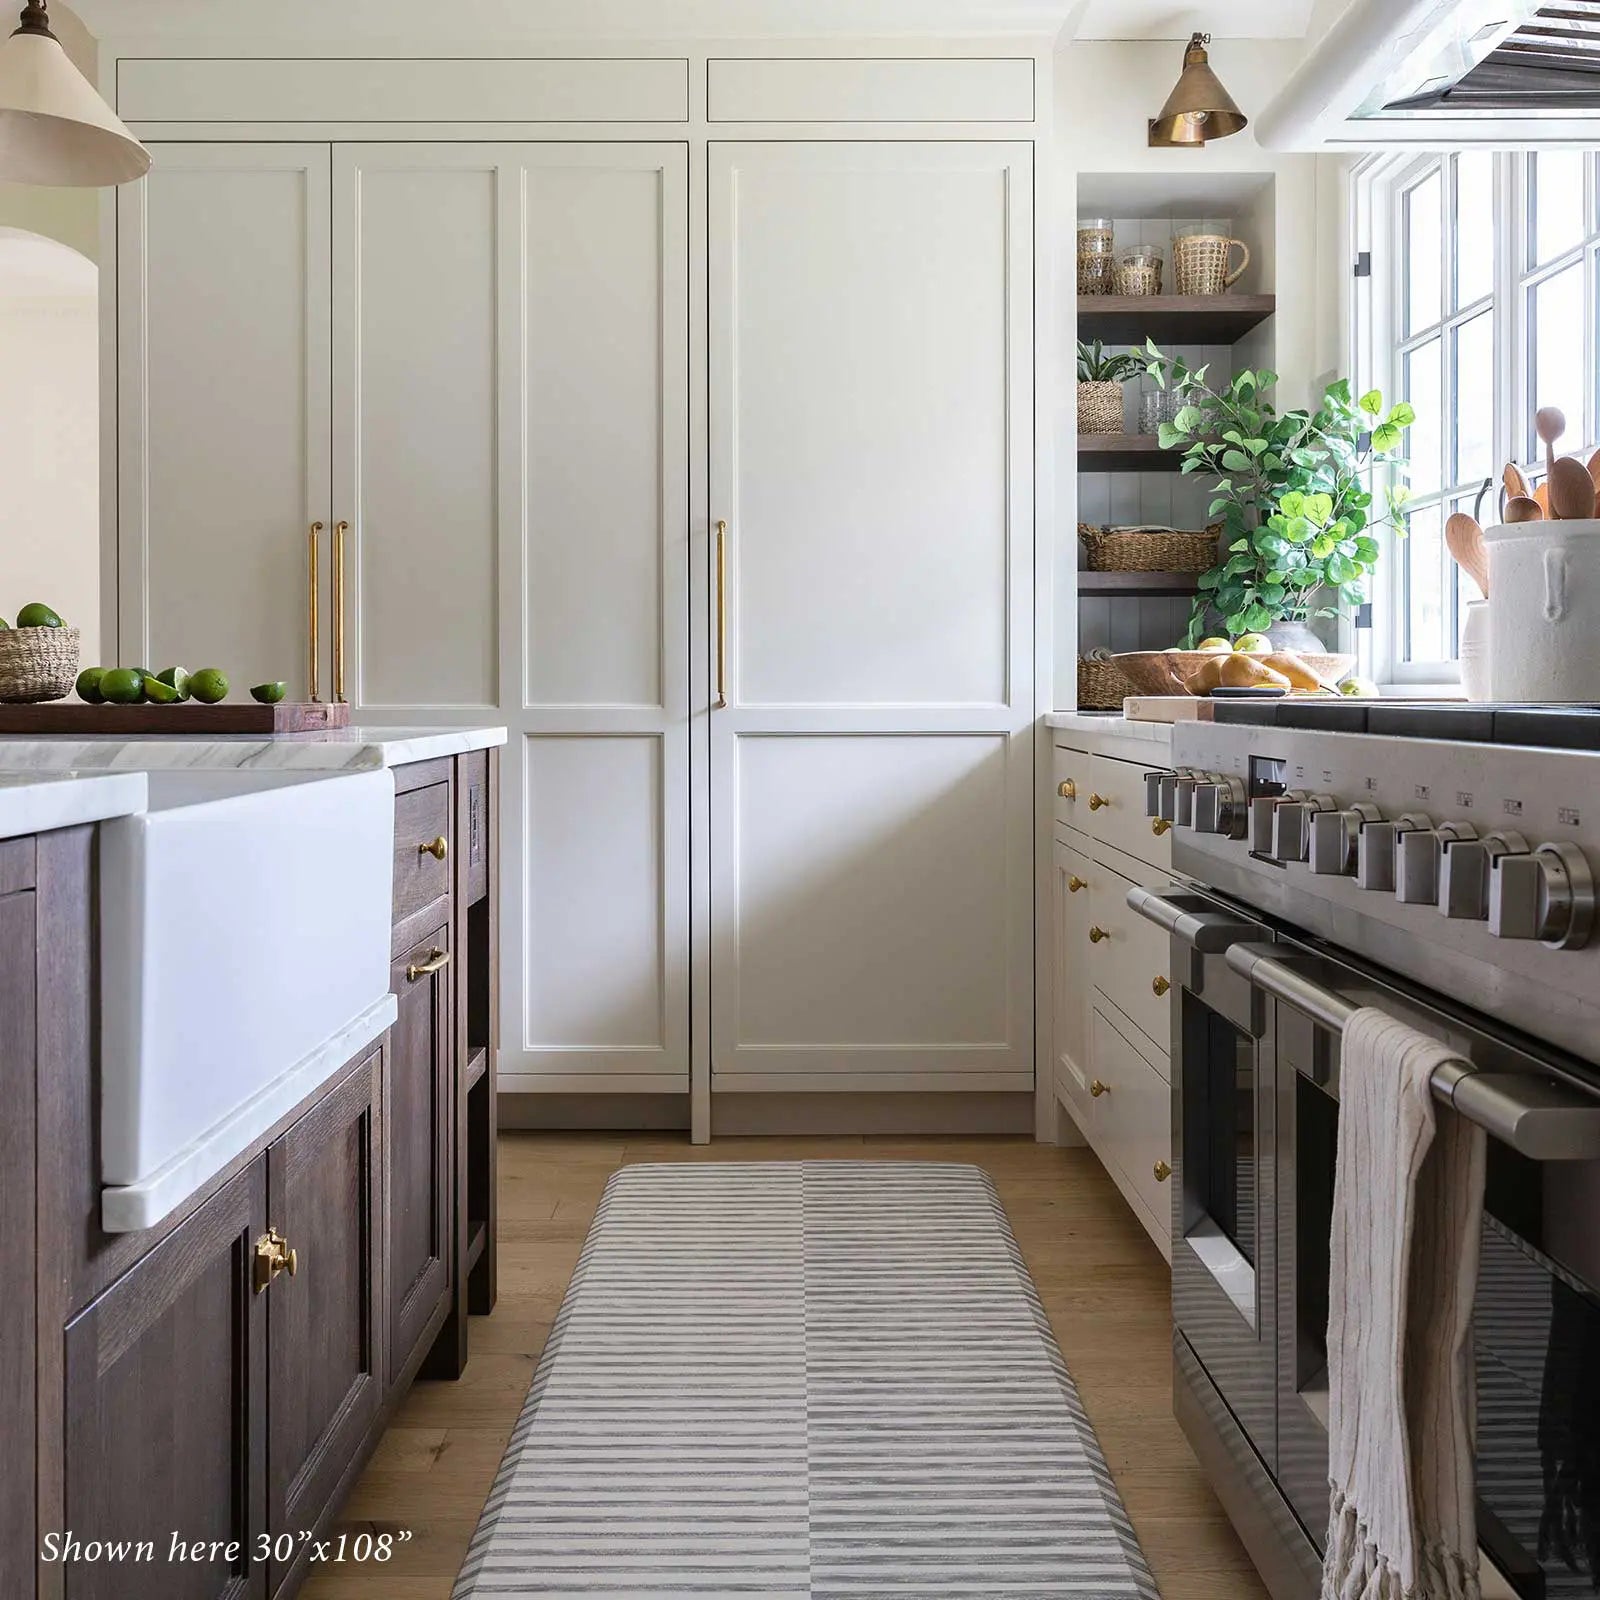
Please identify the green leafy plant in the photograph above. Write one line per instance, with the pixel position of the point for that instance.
(1095, 366)
(1298, 518)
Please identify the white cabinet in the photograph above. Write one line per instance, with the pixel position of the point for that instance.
(1071, 885)
(871, 334)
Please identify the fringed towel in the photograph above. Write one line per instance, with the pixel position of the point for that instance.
(1408, 1205)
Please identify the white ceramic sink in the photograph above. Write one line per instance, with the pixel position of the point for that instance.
(244, 925)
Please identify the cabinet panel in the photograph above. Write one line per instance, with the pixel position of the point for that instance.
(325, 1371)
(1070, 892)
(1135, 1132)
(223, 391)
(1069, 780)
(1131, 966)
(166, 1409)
(417, 1131)
(1118, 819)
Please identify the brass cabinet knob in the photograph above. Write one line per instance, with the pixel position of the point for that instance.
(1075, 883)
(1097, 934)
(1096, 801)
(438, 848)
(1159, 985)
(1160, 826)
(1162, 1171)
(1067, 789)
(1096, 1089)
(272, 1255)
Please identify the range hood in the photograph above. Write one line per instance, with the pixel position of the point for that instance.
(1442, 73)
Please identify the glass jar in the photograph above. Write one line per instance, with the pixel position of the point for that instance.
(1139, 270)
(1097, 262)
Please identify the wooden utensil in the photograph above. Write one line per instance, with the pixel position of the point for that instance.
(1571, 490)
(1464, 538)
(1522, 508)
(1515, 480)
(1549, 422)
(1594, 470)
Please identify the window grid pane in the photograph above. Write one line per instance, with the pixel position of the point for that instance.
(1474, 240)
(1423, 251)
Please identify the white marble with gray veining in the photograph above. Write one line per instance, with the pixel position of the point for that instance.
(1110, 725)
(357, 749)
(39, 802)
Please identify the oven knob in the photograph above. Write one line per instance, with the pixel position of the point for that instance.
(1167, 797)
(1262, 811)
(1548, 895)
(1335, 839)
(1183, 804)
(1376, 850)
(1465, 870)
(1221, 807)
(1291, 826)
(1152, 793)
(1417, 860)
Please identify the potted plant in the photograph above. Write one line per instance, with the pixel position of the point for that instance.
(1100, 380)
(1299, 522)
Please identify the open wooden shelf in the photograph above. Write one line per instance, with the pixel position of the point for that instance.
(477, 1065)
(1176, 318)
(1146, 585)
(1125, 452)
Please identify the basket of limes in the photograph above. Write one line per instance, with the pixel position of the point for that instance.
(38, 657)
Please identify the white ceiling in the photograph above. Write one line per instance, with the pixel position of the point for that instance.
(1175, 19)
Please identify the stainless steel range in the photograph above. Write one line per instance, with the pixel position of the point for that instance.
(1438, 862)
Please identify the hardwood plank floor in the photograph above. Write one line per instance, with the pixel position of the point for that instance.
(1104, 1286)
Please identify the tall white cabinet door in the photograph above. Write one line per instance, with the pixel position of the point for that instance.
(223, 307)
(871, 425)
(511, 447)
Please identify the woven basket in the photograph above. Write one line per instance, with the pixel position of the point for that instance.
(37, 664)
(1149, 549)
(1200, 262)
(1099, 408)
(1101, 685)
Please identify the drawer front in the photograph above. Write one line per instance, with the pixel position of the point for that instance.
(1115, 810)
(1135, 1128)
(421, 818)
(1070, 784)
(1130, 965)
(1071, 895)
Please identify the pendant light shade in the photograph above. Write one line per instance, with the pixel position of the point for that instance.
(1199, 108)
(54, 127)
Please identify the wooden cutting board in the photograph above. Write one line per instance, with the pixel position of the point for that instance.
(1168, 708)
(188, 718)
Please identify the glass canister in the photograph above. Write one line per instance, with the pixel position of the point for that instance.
(1097, 261)
(1139, 270)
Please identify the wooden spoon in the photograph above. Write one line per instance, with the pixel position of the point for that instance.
(1594, 470)
(1549, 422)
(1515, 480)
(1521, 508)
(1571, 490)
(1465, 540)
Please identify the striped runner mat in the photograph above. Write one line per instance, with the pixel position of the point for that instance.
(819, 1378)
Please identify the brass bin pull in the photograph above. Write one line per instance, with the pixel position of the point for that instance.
(314, 663)
(437, 848)
(340, 529)
(436, 962)
(722, 615)
(272, 1255)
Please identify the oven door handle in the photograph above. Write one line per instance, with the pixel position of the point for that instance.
(1541, 1118)
(1191, 919)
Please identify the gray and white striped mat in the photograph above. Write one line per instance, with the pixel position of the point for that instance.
(826, 1378)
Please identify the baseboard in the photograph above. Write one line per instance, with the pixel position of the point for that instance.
(884, 1113)
(630, 1113)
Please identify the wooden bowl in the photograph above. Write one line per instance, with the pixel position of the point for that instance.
(1168, 671)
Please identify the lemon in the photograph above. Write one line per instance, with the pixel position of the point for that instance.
(89, 686)
(269, 694)
(123, 686)
(209, 685)
(36, 614)
(159, 693)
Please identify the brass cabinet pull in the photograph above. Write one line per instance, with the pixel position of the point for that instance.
(340, 529)
(1096, 1089)
(314, 666)
(1096, 801)
(1162, 1171)
(1067, 789)
(1160, 986)
(437, 961)
(1097, 934)
(271, 1256)
(1075, 883)
(722, 615)
(438, 848)
(1160, 826)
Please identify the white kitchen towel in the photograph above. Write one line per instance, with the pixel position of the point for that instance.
(1407, 1213)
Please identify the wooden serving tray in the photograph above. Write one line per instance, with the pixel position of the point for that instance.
(186, 717)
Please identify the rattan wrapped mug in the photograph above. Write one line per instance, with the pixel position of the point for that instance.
(37, 664)
(1200, 262)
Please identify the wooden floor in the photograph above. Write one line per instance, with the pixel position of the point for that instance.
(1103, 1283)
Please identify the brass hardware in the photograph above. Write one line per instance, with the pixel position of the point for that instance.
(314, 674)
(1096, 801)
(1160, 986)
(1096, 1089)
(340, 529)
(1160, 826)
(439, 849)
(1075, 883)
(1162, 1171)
(722, 615)
(436, 962)
(1199, 108)
(1097, 934)
(1067, 789)
(272, 1255)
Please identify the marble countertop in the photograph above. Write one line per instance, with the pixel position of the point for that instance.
(37, 802)
(356, 749)
(1110, 725)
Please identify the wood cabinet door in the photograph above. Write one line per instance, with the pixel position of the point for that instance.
(166, 1395)
(224, 388)
(325, 1366)
(18, 1303)
(417, 1113)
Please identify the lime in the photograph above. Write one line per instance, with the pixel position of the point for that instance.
(176, 678)
(123, 686)
(4, 623)
(269, 694)
(159, 693)
(36, 614)
(89, 685)
(209, 685)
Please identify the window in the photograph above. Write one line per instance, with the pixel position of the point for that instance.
(1481, 307)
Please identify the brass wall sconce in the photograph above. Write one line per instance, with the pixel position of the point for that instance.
(1199, 109)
